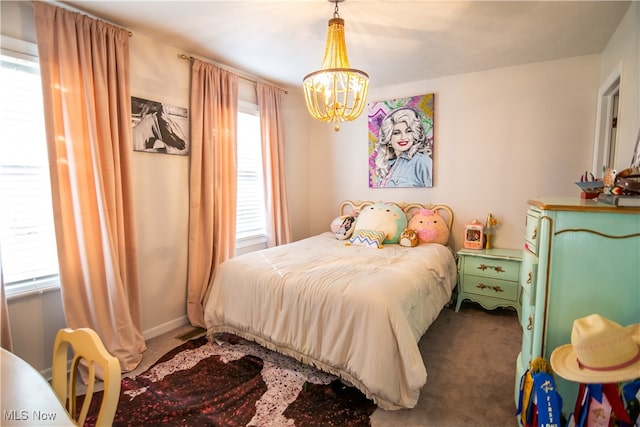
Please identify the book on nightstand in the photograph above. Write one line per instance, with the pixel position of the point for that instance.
(619, 200)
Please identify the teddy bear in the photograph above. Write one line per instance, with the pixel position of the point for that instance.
(409, 238)
(429, 226)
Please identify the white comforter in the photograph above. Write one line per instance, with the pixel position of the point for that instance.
(355, 312)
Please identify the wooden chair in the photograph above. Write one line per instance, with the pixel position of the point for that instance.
(85, 345)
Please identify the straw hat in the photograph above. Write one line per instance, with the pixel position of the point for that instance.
(601, 351)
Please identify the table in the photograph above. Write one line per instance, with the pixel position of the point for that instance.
(489, 277)
(27, 399)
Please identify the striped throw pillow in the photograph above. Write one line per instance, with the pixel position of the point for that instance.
(368, 238)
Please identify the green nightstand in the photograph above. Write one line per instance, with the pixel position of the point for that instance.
(489, 277)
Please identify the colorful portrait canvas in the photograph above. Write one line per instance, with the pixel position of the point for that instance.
(401, 142)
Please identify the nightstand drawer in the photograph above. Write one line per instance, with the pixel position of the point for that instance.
(490, 287)
(502, 269)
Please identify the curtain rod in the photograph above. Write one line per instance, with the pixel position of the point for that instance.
(243, 77)
(83, 12)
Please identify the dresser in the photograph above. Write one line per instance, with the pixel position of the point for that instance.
(579, 258)
(489, 277)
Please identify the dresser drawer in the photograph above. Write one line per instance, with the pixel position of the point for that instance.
(479, 285)
(528, 272)
(531, 234)
(527, 320)
(502, 269)
(527, 346)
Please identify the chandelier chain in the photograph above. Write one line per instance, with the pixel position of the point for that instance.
(335, 11)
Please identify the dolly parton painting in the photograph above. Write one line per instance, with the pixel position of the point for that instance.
(401, 142)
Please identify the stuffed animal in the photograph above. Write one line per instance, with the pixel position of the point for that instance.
(430, 226)
(385, 217)
(409, 238)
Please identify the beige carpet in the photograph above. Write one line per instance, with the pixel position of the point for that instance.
(471, 362)
(470, 358)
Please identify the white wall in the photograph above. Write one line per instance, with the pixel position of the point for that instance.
(161, 185)
(501, 137)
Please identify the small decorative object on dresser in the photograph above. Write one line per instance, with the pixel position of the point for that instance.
(474, 235)
(590, 186)
(489, 277)
(490, 230)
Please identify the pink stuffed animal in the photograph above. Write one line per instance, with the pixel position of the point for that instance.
(430, 226)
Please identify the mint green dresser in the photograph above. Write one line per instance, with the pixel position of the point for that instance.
(579, 258)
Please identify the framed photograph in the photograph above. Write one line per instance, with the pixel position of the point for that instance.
(159, 128)
(401, 142)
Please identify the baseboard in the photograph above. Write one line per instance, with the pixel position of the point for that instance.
(148, 334)
(165, 327)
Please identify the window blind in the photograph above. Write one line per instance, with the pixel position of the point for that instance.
(27, 238)
(250, 216)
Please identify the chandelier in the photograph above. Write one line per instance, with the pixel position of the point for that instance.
(335, 93)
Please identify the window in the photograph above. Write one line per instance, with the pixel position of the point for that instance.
(27, 239)
(250, 218)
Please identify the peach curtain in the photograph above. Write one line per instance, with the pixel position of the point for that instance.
(84, 65)
(5, 333)
(212, 179)
(272, 134)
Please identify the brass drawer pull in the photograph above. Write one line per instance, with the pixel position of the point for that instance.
(530, 325)
(534, 234)
(529, 277)
(498, 268)
(495, 288)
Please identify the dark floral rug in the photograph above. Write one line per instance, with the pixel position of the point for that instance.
(234, 382)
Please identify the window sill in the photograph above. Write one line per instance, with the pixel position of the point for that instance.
(35, 287)
(250, 244)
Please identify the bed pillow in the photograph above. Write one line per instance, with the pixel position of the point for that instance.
(336, 223)
(430, 226)
(385, 217)
(367, 238)
(346, 228)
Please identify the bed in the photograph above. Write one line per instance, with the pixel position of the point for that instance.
(352, 311)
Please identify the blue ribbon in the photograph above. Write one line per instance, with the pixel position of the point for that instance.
(549, 401)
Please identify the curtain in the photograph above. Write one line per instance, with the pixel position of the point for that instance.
(212, 179)
(84, 65)
(272, 135)
(5, 327)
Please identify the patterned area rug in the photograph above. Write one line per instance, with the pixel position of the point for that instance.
(234, 382)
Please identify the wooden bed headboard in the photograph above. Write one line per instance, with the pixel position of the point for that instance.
(348, 207)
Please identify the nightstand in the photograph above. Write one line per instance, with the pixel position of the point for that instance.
(489, 277)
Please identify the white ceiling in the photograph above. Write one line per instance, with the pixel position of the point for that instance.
(393, 41)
